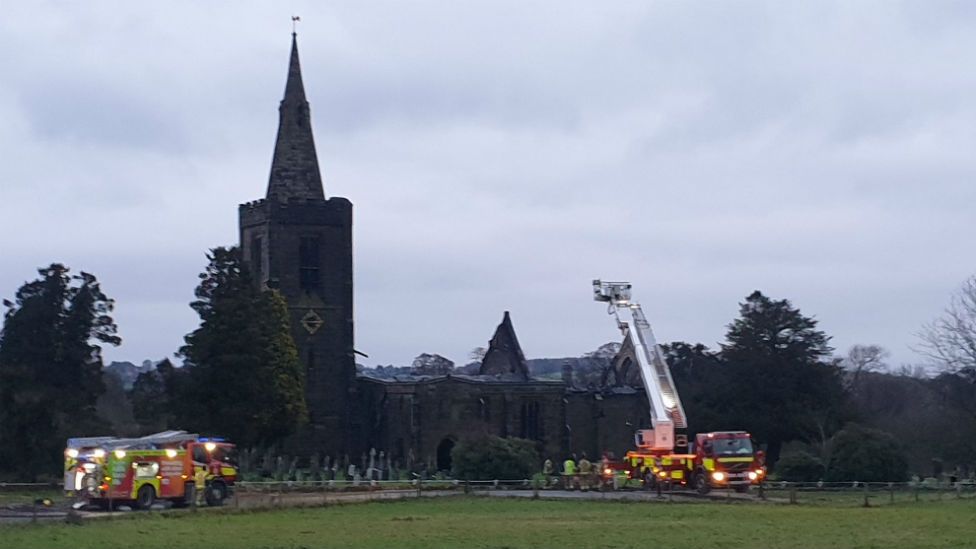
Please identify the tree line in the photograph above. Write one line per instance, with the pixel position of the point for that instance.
(774, 375)
(240, 378)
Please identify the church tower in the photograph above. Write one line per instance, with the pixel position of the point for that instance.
(299, 242)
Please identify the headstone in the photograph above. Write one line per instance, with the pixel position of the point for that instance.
(314, 468)
(293, 468)
(280, 469)
(267, 463)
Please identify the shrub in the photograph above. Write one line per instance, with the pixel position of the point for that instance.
(799, 467)
(491, 457)
(868, 455)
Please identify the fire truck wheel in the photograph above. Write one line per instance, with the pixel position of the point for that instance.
(145, 497)
(215, 494)
(701, 483)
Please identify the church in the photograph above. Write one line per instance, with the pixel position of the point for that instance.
(299, 241)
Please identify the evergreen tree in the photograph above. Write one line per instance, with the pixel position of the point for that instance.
(244, 377)
(778, 385)
(50, 368)
(700, 376)
(154, 397)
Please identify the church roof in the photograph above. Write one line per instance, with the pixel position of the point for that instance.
(504, 355)
(295, 167)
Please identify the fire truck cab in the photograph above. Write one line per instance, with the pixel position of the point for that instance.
(725, 459)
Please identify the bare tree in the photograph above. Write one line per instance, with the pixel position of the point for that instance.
(950, 340)
(862, 359)
(477, 354)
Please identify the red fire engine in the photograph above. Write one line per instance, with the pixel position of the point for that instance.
(715, 460)
(172, 465)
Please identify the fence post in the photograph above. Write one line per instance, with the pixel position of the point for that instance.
(762, 489)
(891, 492)
(866, 502)
(793, 494)
(916, 493)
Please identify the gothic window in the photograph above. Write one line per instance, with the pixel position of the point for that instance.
(309, 277)
(532, 421)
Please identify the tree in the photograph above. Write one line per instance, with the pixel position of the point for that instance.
(51, 366)
(868, 455)
(477, 354)
(244, 377)
(593, 367)
(951, 339)
(432, 365)
(863, 359)
(154, 397)
(491, 458)
(799, 466)
(700, 376)
(778, 385)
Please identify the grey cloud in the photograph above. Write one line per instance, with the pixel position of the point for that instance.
(501, 154)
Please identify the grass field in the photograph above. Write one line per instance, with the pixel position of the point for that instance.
(22, 497)
(484, 522)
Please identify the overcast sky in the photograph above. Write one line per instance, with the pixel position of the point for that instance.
(500, 155)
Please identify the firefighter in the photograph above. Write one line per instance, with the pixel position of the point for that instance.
(200, 483)
(585, 473)
(547, 471)
(569, 472)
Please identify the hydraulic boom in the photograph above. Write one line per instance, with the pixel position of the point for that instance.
(667, 414)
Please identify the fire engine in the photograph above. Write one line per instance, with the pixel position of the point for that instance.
(722, 459)
(138, 471)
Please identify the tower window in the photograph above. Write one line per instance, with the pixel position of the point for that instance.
(309, 277)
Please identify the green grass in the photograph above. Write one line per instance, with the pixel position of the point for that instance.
(27, 497)
(484, 522)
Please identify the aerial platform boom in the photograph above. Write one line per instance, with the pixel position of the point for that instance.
(667, 414)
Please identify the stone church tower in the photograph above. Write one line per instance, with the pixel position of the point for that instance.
(299, 242)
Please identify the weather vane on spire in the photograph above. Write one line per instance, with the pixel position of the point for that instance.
(294, 21)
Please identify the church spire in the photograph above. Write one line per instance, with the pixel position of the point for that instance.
(295, 168)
